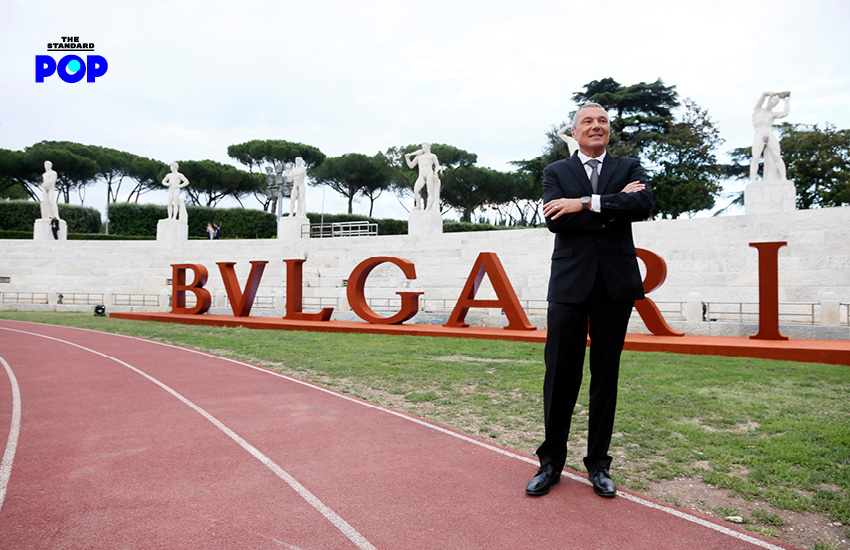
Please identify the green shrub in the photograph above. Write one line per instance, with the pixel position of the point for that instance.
(20, 216)
(236, 223)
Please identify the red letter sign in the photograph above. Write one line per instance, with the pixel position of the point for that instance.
(294, 297)
(240, 302)
(357, 299)
(656, 274)
(768, 291)
(179, 288)
(489, 263)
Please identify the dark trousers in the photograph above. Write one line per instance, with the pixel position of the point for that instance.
(566, 342)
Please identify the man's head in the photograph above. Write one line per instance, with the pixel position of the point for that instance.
(48, 165)
(174, 166)
(591, 129)
(773, 101)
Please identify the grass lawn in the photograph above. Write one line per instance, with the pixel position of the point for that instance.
(771, 432)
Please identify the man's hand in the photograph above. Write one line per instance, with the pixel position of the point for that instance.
(554, 209)
(634, 187)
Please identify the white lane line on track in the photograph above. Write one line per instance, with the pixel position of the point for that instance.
(343, 526)
(627, 496)
(581, 479)
(14, 432)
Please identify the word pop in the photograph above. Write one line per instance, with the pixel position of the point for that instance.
(70, 68)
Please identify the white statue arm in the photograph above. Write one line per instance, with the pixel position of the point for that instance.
(183, 182)
(787, 109)
(412, 163)
(760, 102)
(567, 138)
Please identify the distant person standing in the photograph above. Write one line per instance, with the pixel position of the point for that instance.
(216, 231)
(210, 231)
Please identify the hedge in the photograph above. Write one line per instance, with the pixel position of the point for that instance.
(236, 223)
(21, 215)
(131, 220)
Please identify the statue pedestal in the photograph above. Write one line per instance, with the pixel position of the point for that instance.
(770, 197)
(289, 227)
(425, 222)
(41, 230)
(169, 230)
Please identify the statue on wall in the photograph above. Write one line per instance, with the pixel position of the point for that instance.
(49, 209)
(175, 181)
(429, 169)
(765, 140)
(296, 175)
(564, 134)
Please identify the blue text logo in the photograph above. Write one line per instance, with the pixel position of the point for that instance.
(70, 68)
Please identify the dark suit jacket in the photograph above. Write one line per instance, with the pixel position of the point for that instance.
(589, 241)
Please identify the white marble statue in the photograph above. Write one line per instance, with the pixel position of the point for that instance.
(175, 181)
(49, 209)
(296, 175)
(429, 170)
(565, 134)
(765, 140)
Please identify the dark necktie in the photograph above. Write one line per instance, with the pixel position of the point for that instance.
(594, 174)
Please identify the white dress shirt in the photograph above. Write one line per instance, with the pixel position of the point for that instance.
(595, 204)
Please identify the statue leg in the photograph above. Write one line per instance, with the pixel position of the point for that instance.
(417, 189)
(758, 147)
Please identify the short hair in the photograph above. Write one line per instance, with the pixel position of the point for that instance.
(588, 104)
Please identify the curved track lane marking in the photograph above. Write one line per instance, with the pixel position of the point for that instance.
(12, 441)
(627, 496)
(343, 526)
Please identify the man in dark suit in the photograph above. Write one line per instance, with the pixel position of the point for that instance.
(590, 201)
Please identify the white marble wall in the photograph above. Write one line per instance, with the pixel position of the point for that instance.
(709, 256)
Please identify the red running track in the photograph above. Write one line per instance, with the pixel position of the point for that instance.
(116, 442)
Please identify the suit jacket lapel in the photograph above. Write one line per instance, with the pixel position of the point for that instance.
(608, 168)
(580, 174)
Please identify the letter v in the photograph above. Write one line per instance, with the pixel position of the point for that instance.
(241, 302)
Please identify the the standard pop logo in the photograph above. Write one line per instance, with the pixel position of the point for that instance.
(70, 68)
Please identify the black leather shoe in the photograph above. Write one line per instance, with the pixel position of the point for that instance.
(603, 485)
(542, 481)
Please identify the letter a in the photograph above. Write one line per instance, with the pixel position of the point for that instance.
(489, 263)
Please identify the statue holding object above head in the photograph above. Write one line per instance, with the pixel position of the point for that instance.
(175, 181)
(429, 170)
(49, 209)
(765, 140)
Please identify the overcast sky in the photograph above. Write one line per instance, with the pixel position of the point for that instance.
(187, 78)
